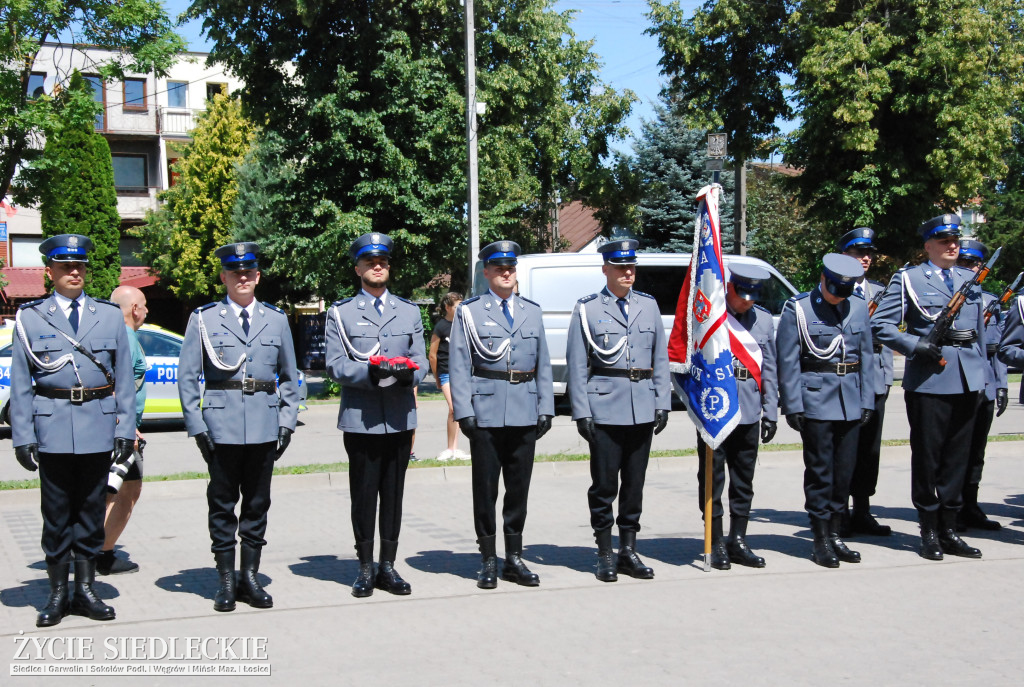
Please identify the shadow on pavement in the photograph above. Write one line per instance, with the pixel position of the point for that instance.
(199, 581)
(579, 558)
(437, 561)
(328, 568)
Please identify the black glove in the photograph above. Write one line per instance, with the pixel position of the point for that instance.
(468, 426)
(284, 437)
(796, 421)
(866, 416)
(123, 450)
(379, 372)
(28, 456)
(543, 425)
(928, 352)
(768, 429)
(660, 420)
(585, 426)
(403, 374)
(1001, 401)
(205, 443)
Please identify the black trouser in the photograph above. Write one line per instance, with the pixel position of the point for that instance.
(73, 502)
(625, 450)
(739, 452)
(869, 447)
(236, 469)
(376, 468)
(506, 452)
(979, 441)
(941, 426)
(830, 450)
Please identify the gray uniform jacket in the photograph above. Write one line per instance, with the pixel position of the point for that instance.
(965, 368)
(753, 401)
(826, 395)
(996, 373)
(58, 425)
(883, 357)
(232, 416)
(617, 400)
(1011, 343)
(495, 402)
(365, 407)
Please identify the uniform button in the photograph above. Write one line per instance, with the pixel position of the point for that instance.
(513, 348)
(248, 345)
(385, 334)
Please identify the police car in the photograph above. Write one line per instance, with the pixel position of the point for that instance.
(162, 348)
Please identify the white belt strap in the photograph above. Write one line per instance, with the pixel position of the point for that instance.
(351, 350)
(605, 355)
(47, 367)
(908, 289)
(838, 343)
(211, 354)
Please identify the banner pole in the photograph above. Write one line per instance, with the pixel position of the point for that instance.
(709, 478)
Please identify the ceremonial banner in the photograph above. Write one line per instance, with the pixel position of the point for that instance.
(699, 349)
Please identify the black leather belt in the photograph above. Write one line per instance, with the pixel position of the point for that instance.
(991, 349)
(839, 369)
(510, 376)
(247, 385)
(741, 372)
(633, 374)
(877, 348)
(77, 394)
(960, 338)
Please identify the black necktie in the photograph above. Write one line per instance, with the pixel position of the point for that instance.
(622, 307)
(505, 312)
(245, 321)
(73, 317)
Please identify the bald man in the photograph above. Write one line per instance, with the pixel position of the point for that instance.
(120, 505)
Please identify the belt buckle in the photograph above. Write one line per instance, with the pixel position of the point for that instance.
(248, 385)
(78, 394)
(841, 369)
(740, 373)
(634, 374)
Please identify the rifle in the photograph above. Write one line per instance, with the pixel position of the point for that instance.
(877, 298)
(996, 305)
(944, 320)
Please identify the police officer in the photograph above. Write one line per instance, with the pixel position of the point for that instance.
(243, 349)
(757, 385)
(942, 399)
(72, 403)
(1011, 343)
(503, 400)
(827, 386)
(621, 395)
(375, 350)
(859, 244)
(991, 403)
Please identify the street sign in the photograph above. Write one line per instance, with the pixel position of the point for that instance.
(3, 231)
(717, 145)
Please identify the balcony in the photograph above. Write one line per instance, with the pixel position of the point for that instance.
(133, 201)
(178, 121)
(148, 120)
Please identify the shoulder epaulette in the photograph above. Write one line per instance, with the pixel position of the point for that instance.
(404, 300)
(471, 300)
(988, 293)
(641, 293)
(587, 299)
(106, 302)
(801, 296)
(341, 302)
(274, 308)
(529, 301)
(876, 283)
(762, 309)
(201, 308)
(859, 295)
(31, 304)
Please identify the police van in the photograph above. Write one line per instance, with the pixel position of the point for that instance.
(557, 280)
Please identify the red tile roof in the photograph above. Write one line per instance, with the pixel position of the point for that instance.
(577, 226)
(27, 282)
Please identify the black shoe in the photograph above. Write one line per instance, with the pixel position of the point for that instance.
(930, 548)
(363, 586)
(57, 604)
(249, 588)
(387, 578)
(487, 577)
(839, 547)
(514, 569)
(629, 562)
(86, 602)
(606, 568)
(823, 554)
(109, 564)
(846, 525)
(719, 557)
(972, 516)
(862, 522)
(224, 599)
(737, 548)
(952, 544)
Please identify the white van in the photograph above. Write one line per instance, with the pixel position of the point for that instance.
(557, 280)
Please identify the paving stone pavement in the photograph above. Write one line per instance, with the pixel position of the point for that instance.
(893, 619)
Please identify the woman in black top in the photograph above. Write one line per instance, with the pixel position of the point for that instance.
(439, 366)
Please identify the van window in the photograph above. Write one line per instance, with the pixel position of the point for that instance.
(663, 282)
(557, 289)
(774, 295)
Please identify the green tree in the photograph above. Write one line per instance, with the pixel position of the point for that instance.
(79, 197)
(139, 31)
(669, 166)
(1003, 208)
(368, 103)
(180, 238)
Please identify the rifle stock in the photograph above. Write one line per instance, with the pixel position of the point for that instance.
(995, 306)
(944, 320)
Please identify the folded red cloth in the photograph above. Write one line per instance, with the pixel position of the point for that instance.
(402, 360)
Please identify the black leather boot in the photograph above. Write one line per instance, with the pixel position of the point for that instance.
(86, 602)
(57, 604)
(737, 548)
(388, 578)
(839, 547)
(249, 588)
(971, 514)
(605, 556)
(950, 541)
(487, 577)
(224, 599)
(363, 586)
(823, 554)
(930, 548)
(514, 569)
(719, 557)
(629, 563)
(862, 522)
